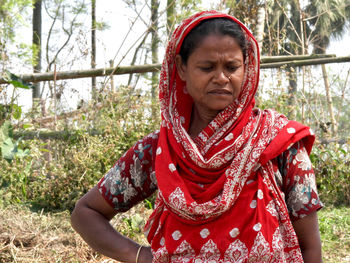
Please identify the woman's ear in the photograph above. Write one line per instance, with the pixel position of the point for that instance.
(181, 67)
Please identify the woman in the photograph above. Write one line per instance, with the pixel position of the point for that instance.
(235, 184)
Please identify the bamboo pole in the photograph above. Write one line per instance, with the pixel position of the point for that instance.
(306, 62)
(76, 74)
(266, 62)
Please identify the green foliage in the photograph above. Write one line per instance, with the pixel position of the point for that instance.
(10, 148)
(10, 15)
(135, 223)
(332, 168)
(60, 172)
(246, 11)
(334, 226)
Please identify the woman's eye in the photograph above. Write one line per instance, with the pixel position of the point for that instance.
(232, 68)
(209, 68)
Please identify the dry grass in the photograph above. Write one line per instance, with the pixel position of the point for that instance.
(27, 236)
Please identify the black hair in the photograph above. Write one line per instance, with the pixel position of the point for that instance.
(219, 26)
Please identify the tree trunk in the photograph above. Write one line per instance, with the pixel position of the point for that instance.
(329, 101)
(154, 47)
(292, 92)
(170, 16)
(260, 25)
(259, 34)
(37, 43)
(93, 47)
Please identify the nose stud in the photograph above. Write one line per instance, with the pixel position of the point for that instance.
(229, 77)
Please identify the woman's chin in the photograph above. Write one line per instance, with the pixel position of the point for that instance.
(220, 106)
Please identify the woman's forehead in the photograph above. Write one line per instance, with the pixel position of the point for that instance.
(213, 47)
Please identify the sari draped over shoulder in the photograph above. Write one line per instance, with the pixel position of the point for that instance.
(218, 200)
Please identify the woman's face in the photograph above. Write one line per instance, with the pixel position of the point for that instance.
(213, 73)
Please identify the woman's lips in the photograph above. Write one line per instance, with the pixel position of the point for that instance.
(220, 92)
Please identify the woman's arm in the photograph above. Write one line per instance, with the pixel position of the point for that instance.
(309, 238)
(90, 218)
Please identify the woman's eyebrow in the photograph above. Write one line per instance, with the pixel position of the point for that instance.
(209, 61)
(206, 61)
(235, 62)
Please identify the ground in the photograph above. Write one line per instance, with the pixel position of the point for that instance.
(27, 236)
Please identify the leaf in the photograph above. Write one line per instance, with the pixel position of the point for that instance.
(44, 150)
(17, 81)
(21, 154)
(5, 130)
(8, 149)
(343, 151)
(148, 203)
(17, 111)
(136, 222)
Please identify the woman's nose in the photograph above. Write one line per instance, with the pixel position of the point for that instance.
(221, 77)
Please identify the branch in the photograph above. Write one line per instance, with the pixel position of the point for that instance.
(50, 33)
(46, 135)
(290, 22)
(135, 54)
(69, 33)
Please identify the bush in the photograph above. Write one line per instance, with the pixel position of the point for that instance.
(332, 168)
(57, 173)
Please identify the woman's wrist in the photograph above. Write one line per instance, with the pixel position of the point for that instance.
(138, 254)
(145, 255)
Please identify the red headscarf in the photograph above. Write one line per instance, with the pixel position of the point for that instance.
(217, 199)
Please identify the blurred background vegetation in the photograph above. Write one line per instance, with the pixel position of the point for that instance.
(58, 147)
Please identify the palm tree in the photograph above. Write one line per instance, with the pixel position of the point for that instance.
(328, 20)
(292, 28)
(284, 35)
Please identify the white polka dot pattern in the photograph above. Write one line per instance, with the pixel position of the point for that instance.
(234, 232)
(229, 137)
(253, 204)
(176, 235)
(257, 227)
(204, 233)
(311, 132)
(172, 167)
(291, 130)
(162, 241)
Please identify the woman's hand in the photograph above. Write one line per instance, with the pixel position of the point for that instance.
(90, 218)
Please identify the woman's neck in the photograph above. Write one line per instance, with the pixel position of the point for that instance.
(200, 120)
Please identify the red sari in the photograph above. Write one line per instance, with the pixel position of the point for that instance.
(218, 200)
